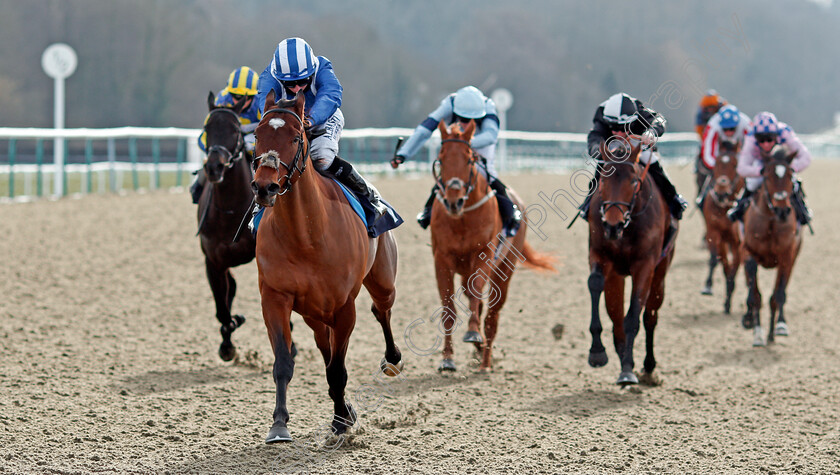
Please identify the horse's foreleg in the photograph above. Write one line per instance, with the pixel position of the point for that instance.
(642, 276)
(380, 284)
(614, 302)
(344, 415)
(597, 352)
(731, 270)
(277, 310)
(777, 301)
(752, 319)
(220, 280)
(711, 240)
(448, 315)
(651, 317)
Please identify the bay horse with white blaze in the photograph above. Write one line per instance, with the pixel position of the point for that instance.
(465, 226)
(313, 256)
(773, 239)
(222, 204)
(722, 235)
(627, 238)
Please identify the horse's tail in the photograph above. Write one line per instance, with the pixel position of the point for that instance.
(537, 260)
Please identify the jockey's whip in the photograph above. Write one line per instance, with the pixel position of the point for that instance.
(244, 218)
(396, 149)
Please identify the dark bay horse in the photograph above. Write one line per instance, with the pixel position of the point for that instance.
(467, 239)
(722, 235)
(772, 239)
(223, 203)
(313, 256)
(626, 238)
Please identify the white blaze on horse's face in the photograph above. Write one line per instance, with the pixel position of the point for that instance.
(276, 123)
(781, 170)
(725, 159)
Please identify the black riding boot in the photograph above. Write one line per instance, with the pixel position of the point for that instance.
(737, 211)
(803, 214)
(424, 218)
(676, 203)
(511, 216)
(198, 185)
(344, 172)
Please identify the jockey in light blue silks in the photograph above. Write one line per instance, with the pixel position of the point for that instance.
(295, 69)
(468, 103)
(242, 84)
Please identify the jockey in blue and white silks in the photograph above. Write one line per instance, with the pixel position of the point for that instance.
(468, 103)
(294, 69)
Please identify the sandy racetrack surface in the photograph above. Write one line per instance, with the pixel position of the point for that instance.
(109, 359)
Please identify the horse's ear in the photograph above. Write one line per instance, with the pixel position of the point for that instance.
(791, 156)
(240, 104)
(211, 101)
(634, 152)
(300, 102)
(602, 150)
(269, 101)
(469, 130)
(444, 134)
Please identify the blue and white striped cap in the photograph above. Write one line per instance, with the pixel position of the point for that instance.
(293, 60)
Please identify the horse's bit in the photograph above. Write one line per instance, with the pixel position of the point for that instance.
(272, 158)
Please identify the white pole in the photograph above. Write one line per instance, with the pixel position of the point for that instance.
(502, 113)
(58, 144)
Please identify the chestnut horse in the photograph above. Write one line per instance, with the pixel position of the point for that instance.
(772, 238)
(627, 238)
(467, 239)
(722, 235)
(224, 201)
(313, 256)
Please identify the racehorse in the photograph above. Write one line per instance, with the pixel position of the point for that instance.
(223, 203)
(772, 238)
(722, 235)
(467, 239)
(627, 238)
(313, 256)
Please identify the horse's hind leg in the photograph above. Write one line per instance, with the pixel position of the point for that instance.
(730, 269)
(642, 278)
(499, 285)
(345, 320)
(220, 283)
(380, 284)
(651, 317)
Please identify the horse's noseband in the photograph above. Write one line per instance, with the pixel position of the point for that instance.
(272, 158)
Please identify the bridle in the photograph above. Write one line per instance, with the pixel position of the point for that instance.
(779, 195)
(272, 158)
(457, 183)
(228, 157)
(627, 213)
(725, 200)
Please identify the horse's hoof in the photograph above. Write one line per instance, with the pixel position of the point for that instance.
(391, 369)
(627, 377)
(727, 309)
(446, 365)
(340, 424)
(473, 337)
(747, 321)
(758, 339)
(597, 360)
(707, 290)
(227, 351)
(650, 379)
(782, 329)
(278, 433)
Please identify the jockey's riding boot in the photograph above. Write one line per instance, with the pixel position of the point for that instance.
(803, 214)
(584, 207)
(424, 218)
(198, 185)
(344, 172)
(676, 203)
(737, 211)
(511, 216)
